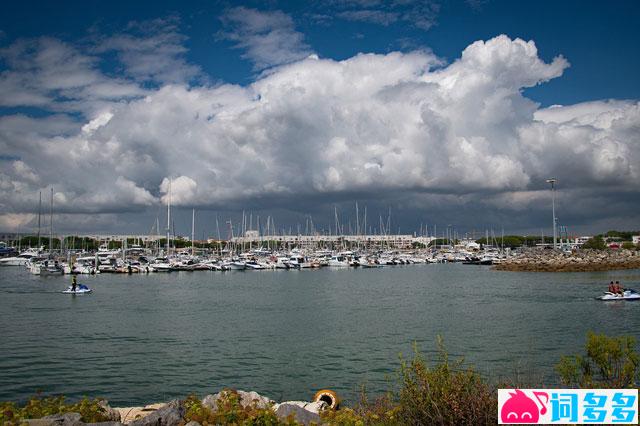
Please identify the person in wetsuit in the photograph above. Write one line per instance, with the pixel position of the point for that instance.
(74, 283)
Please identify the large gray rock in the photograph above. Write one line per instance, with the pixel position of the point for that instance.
(314, 407)
(67, 419)
(105, 424)
(192, 423)
(170, 415)
(112, 414)
(247, 399)
(300, 415)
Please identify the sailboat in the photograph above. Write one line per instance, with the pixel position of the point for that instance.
(49, 266)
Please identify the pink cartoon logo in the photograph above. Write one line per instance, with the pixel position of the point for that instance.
(519, 408)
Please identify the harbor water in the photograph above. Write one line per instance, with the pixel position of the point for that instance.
(139, 339)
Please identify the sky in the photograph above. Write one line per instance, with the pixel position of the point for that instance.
(426, 113)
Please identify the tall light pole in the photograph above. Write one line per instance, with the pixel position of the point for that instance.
(553, 181)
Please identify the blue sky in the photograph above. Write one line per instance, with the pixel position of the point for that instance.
(439, 110)
(600, 39)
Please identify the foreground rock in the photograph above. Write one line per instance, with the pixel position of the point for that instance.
(66, 419)
(247, 399)
(301, 411)
(169, 415)
(130, 414)
(111, 413)
(579, 261)
(173, 413)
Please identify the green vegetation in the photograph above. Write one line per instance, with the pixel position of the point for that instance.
(595, 243)
(622, 235)
(32, 241)
(442, 242)
(611, 362)
(231, 412)
(447, 393)
(91, 410)
(514, 241)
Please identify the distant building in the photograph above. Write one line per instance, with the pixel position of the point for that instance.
(635, 239)
(252, 234)
(395, 241)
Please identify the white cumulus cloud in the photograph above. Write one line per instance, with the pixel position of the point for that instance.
(383, 126)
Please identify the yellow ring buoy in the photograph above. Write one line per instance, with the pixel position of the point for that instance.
(328, 396)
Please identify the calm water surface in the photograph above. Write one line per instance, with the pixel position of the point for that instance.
(145, 338)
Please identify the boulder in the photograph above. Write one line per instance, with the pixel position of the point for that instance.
(111, 413)
(169, 415)
(314, 407)
(299, 414)
(192, 423)
(105, 424)
(247, 399)
(67, 419)
(131, 414)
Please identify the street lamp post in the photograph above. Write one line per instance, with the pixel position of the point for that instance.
(553, 181)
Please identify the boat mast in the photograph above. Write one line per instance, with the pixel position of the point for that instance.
(39, 214)
(51, 225)
(169, 219)
(193, 232)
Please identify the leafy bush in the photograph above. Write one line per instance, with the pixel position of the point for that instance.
(231, 412)
(611, 362)
(595, 243)
(91, 410)
(446, 394)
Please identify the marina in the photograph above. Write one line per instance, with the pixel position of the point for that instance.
(238, 256)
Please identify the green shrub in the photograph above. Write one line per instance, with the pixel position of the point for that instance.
(447, 394)
(231, 412)
(611, 362)
(595, 243)
(91, 410)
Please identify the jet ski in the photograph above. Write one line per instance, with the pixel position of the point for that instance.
(627, 294)
(80, 289)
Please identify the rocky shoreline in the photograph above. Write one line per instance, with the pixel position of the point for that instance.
(577, 261)
(175, 412)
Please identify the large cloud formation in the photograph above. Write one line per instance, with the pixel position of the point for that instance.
(376, 125)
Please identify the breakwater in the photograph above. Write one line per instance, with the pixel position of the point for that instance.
(576, 261)
(226, 407)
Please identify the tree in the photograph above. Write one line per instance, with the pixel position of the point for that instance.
(595, 243)
(611, 362)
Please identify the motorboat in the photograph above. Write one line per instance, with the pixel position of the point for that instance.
(338, 261)
(160, 264)
(80, 289)
(21, 259)
(47, 267)
(627, 294)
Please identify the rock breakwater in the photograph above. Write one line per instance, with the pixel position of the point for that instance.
(225, 407)
(577, 261)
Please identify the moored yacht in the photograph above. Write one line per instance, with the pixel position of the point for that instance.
(21, 259)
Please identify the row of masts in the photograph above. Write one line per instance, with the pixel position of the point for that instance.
(269, 228)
